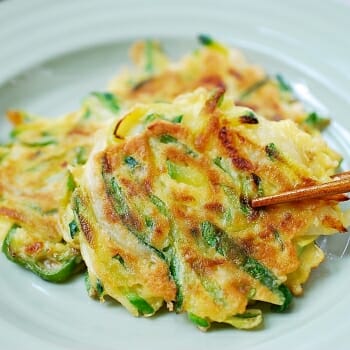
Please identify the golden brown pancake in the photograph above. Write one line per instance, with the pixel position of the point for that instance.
(36, 185)
(163, 206)
(155, 78)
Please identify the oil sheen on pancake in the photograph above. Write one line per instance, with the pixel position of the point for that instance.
(155, 78)
(36, 185)
(163, 210)
(35, 167)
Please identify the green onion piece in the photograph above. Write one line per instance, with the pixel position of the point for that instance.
(174, 264)
(50, 211)
(95, 288)
(153, 116)
(211, 237)
(81, 155)
(250, 319)
(244, 197)
(141, 304)
(246, 315)
(14, 133)
(205, 39)
(109, 100)
(283, 84)
(220, 100)
(119, 258)
(87, 283)
(254, 88)
(3, 156)
(44, 141)
(227, 247)
(217, 162)
(99, 288)
(260, 273)
(87, 114)
(161, 206)
(70, 182)
(198, 321)
(244, 205)
(166, 138)
(131, 162)
(73, 228)
(149, 65)
(341, 160)
(251, 294)
(121, 207)
(227, 216)
(272, 151)
(149, 222)
(173, 170)
(317, 122)
(177, 119)
(288, 298)
(174, 268)
(258, 184)
(278, 238)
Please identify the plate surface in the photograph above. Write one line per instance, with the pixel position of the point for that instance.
(54, 53)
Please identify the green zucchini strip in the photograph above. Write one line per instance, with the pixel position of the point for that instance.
(54, 269)
(109, 100)
(205, 39)
(254, 88)
(317, 122)
(283, 84)
(227, 247)
(149, 59)
(44, 141)
(250, 319)
(140, 304)
(172, 253)
(121, 207)
(200, 322)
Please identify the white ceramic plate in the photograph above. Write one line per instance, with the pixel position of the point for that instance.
(52, 53)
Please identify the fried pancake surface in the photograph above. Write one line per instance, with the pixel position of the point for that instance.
(163, 204)
(155, 78)
(36, 185)
(164, 214)
(35, 168)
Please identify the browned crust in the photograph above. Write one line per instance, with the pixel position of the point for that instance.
(86, 229)
(332, 222)
(239, 162)
(33, 248)
(12, 214)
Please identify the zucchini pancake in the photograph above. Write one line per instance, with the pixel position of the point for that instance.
(155, 78)
(36, 185)
(163, 207)
(149, 186)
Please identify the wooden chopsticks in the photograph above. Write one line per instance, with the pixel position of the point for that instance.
(334, 190)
